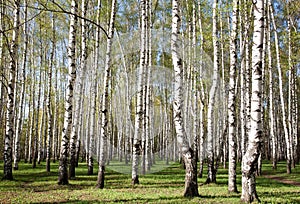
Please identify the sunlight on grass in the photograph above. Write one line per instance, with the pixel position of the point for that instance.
(166, 186)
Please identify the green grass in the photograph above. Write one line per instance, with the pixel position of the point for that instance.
(38, 186)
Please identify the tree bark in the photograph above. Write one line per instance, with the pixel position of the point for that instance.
(9, 130)
(250, 158)
(105, 99)
(49, 104)
(232, 101)
(137, 143)
(271, 109)
(189, 158)
(21, 104)
(284, 118)
(64, 151)
(211, 175)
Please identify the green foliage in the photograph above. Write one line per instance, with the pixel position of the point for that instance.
(38, 186)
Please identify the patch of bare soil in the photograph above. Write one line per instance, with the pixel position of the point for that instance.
(283, 180)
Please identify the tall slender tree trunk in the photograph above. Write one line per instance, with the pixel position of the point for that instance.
(139, 109)
(55, 119)
(290, 96)
(37, 136)
(271, 109)
(250, 158)
(247, 76)
(21, 104)
(188, 155)
(202, 99)
(74, 153)
(242, 85)
(232, 101)
(148, 97)
(49, 104)
(284, 118)
(105, 99)
(32, 105)
(9, 130)
(2, 90)
(211, 174)
(64, 151)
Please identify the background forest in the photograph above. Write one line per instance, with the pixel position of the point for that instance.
(140, 85)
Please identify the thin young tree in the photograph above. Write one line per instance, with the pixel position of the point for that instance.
(64, 151)
(75, 138)
(9, 130)
(249, 161)
(232, 144)
(22, 91)
(49, 104)
(282, 101)
(139, 109)
(211, 175)
(105, 98)
(271, 108)
(188, 155)
(201, 114)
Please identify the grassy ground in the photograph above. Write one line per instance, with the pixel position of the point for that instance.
(38, 186)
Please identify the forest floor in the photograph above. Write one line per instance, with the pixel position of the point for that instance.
(166, 186)
(283, 180)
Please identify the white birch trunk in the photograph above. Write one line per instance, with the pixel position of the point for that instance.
(211, 175)
(105, 99)
(139, 109)
(242, 82)
(284, 118)
(250, 158)
(191, 185)
(201, 114)
(21, 104)
(9, 130)
(75, 150)
(64, 151)
(232, 144)
(271, 109)
(49, 104)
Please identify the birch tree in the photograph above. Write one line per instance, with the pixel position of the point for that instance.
(232, 101)
(211, 175)
(249, 161)
(284, 117)
(75, 137)
(105, 99)
(22, 91)
(271, 108)
(202, 99)
(64, 151)
(49, 104)
(188, 155)
(92, 131)
(9, 130)
(139, 109)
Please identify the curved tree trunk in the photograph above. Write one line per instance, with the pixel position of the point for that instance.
(189, 158)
